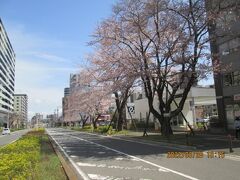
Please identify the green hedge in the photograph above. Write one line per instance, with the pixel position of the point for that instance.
(19, 159)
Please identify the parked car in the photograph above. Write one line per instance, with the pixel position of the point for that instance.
(202, 120)
(103, 122)
(5, 131)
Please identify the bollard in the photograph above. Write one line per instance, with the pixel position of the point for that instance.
(230, 143)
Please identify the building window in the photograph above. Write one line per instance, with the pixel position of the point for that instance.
(228, 79)
(232, 79)
(236, 78)
(229, 46)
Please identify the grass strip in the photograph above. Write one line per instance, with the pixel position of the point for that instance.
(30, 157)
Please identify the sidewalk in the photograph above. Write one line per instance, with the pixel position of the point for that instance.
(203, 142)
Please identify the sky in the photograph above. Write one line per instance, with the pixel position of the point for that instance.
(50, 39)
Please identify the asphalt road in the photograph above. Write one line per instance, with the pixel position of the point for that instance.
(7, 139)
(104, 158)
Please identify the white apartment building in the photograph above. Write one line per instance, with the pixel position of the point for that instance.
(21, 108)
(7, 76)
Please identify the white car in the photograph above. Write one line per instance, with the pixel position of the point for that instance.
(5, 131)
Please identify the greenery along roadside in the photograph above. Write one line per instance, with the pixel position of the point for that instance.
(31, 157)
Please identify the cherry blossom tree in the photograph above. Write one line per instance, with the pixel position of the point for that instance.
(110, 66)
(166, 44)
(87, 100)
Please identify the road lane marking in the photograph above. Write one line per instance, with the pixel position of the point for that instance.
(100, 177)
(81, 173)
(86, 164)
(141, 168)
(229, 157)
(139, 142)
(134, 157)
(101, 152)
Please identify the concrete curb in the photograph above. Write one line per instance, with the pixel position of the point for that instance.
(70, 171)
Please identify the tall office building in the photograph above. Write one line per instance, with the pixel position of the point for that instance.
(66, 91)
(225, 46)
(7, 76)
(65, 99)
(21, 108)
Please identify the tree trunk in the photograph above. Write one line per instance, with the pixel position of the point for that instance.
(95, 121)
(146, 126)
(84, 121)
(166, 129)
(113, 117)
(120, 122)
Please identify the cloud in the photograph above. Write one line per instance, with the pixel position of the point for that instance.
(24, 42)
(51, 57)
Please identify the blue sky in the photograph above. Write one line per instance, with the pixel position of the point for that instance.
(49, 38)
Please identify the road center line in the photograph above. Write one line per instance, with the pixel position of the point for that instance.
(148, 162)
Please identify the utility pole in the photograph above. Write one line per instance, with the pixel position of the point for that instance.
(57, 113)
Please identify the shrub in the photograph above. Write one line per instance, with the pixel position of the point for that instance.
(104, 129)
(87, 127)
(19, 159)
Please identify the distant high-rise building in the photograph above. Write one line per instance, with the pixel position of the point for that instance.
(74, 78)
(66, 91)
(7, 76)
(37, 120)
(65, 102)
(21, 108)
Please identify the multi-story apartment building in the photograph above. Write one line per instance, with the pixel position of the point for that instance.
(7, 76)
(21, 108)
(225, 46)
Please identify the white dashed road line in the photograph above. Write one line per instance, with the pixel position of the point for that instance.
(134, 157)
(84, 176)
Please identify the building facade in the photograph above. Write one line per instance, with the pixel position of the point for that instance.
(66, 91)
(225, 46)
(37, 121)
(200, 104)
(70, 109)
(7, 76)
(21, 108)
